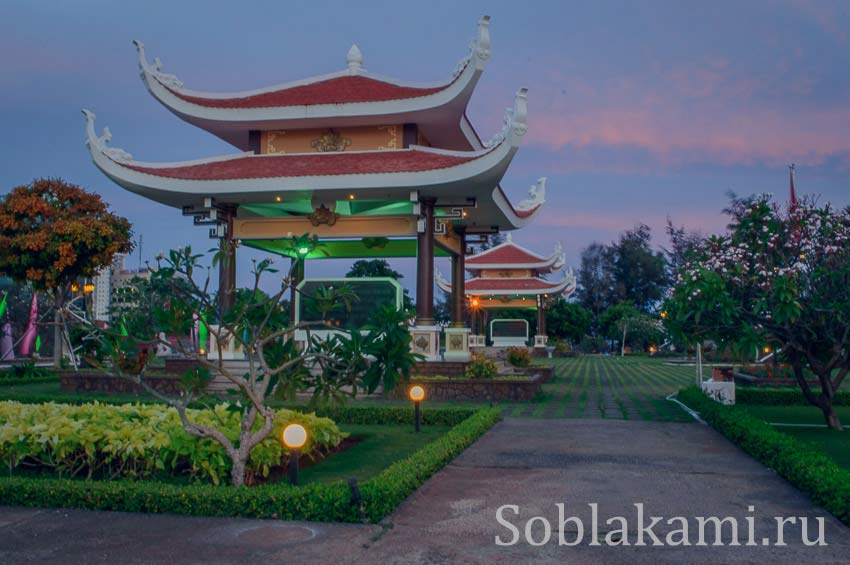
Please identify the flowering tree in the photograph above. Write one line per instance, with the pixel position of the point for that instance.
(331, 368)
(777, 277)
(52, 233)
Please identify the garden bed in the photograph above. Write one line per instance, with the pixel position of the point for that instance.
(380, 493)
(503, 388)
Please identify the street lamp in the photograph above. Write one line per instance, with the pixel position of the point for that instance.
(417, 394)
(294, 437)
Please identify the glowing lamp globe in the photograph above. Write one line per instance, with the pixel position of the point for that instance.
(417, 393)
(303, 250)
(294, 436)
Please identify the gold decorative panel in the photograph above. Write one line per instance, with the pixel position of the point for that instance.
(505, 273)
(365, 138)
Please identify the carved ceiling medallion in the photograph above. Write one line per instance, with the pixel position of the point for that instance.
(330, 141)
(322, 215)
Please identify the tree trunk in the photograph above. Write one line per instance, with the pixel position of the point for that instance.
(831, 417)
(237, 471)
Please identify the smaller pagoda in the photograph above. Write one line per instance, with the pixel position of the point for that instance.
(509, 276)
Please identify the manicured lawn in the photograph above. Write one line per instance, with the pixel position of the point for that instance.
(381, 446)
(595, 386)
(833, 443)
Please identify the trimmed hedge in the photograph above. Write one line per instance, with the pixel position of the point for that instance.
(764, 396)
(10, 381)
(323, 502)
(816, 474)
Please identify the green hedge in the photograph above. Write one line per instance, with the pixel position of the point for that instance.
(816, 474)
(9, 381)
(764, 396)
(325, 502)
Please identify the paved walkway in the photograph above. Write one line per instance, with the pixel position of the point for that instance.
(674, 469)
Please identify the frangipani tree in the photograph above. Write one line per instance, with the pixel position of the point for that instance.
(331, 369)
(777, 277)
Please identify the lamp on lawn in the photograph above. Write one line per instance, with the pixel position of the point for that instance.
(417, 394)
(294, 437)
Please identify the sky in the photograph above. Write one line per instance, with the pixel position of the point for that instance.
(638, 111)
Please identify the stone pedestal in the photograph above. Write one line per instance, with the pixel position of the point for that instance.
(457, 344)
(426, 341)
(476, 340)
(721, 391)
(230, 351)
(540, 341)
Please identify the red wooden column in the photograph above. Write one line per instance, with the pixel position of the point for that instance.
(458, 282)
(227, 264)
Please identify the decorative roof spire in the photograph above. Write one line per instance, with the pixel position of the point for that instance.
(509, 238)
(354, 60)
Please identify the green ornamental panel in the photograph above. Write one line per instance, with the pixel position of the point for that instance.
(371, 294)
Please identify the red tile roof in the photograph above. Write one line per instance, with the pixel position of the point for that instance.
(505, 254)
(339, 90)
(508, 285)
(318, 164)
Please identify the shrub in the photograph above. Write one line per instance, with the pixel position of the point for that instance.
(328, 502)
(816, 474)
(140, 441)
(481, 368)
(519, 356)
(24, 372)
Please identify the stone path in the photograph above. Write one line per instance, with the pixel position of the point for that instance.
(674, 469)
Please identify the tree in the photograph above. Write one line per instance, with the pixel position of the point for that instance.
(596, 278)
(776, 277)
(331, 368)
(683, 245)
(639, 273)
(53, 234)
(568, 320)
(373, 268)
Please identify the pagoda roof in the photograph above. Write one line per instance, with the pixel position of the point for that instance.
(509, 255)
(525, 286)
(248, 178)
(350, 97)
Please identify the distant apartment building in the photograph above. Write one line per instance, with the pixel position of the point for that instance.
(108, 285)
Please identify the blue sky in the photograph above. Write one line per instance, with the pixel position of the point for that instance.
(638, 110)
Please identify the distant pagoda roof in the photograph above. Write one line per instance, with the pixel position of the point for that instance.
(525, 286)
(350, 97)
(509, 255)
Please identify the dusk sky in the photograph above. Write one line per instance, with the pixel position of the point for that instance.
(638, 110)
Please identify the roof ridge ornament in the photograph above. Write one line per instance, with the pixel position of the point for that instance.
(479, 48)
(354, 60)
(536, 197)
(509, 238)
(155, 70)
(95, 143)
(515, 121)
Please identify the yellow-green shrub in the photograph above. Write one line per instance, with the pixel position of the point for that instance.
(136, 440)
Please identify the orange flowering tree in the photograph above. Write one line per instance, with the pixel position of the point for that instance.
(53, 233)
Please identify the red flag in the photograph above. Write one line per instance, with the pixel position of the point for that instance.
(793, 192)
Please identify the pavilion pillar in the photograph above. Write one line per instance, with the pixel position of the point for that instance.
(457, 336)
(297, 273)
(540, 339)
(425, 334)
(227, 264)
(459, 283)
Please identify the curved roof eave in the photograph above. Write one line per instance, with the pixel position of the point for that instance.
(232, 124)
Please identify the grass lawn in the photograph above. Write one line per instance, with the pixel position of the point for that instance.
(833, 443)
(609, 387)
(381, 446)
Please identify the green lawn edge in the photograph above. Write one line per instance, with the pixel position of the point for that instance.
(320, 502)
(814, 473)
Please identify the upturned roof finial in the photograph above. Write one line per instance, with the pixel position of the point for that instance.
(354, 59)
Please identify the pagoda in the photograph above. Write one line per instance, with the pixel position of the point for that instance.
(373, 166)
(509, 276)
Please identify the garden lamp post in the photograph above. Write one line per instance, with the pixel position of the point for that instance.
(417, 393)
(294, 437)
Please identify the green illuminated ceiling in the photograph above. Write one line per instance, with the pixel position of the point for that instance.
(343, 208)
(367, 248)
